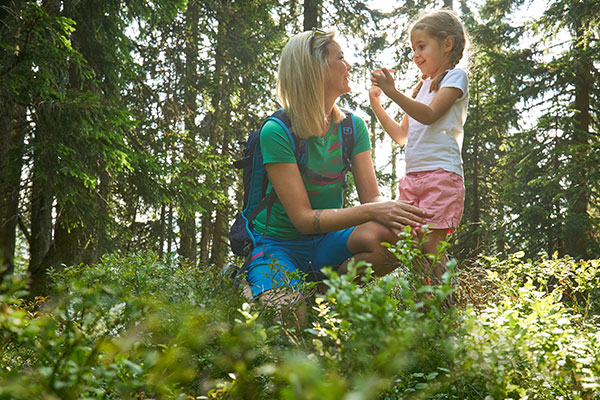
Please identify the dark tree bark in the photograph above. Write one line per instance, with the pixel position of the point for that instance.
(42, 193)
(578, 227)
(41, 203)
(475, 172)
(187, 216)
(312, 14)
(12, 135)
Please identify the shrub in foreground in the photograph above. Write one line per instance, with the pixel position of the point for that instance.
(139, 327)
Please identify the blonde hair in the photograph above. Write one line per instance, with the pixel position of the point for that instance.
(441, 25)
(301, 82)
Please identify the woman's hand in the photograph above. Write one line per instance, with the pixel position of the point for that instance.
(396, 214)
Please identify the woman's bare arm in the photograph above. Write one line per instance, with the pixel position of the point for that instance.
(288, 185)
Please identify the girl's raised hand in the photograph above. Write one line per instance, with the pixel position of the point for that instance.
(384, 79)
(374, 95)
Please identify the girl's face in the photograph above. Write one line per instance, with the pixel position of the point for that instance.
(432, 56)
(337, 74)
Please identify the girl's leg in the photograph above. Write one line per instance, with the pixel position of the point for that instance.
(433, 239)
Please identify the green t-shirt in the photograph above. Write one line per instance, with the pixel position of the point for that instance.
(324, 156)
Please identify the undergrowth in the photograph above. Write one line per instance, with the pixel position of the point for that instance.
(140, 327)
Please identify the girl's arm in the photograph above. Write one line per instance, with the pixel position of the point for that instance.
(398, 132)
(425, 114)
(288, 185)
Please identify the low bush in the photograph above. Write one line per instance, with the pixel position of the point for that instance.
(140, 327)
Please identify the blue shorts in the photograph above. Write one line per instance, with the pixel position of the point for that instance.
(284, 263)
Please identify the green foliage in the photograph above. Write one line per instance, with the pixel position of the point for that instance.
(140, 326)
(531, 131)
(34, 49)
(575, 282)
(532, 346)
(125, 327)
(538, 337)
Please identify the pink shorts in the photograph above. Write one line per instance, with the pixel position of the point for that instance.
(440, 192)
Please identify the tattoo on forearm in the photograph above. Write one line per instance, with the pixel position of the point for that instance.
(317, 221)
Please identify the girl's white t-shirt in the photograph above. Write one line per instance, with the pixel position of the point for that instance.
(439, 145)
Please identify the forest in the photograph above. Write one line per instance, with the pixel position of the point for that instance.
(119, 123)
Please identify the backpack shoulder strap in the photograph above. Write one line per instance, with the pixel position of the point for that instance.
(347, 130)
(348, 135)
(298, 145)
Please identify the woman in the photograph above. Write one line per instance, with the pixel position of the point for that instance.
(307, 228)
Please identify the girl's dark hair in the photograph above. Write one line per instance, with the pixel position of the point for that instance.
(440, 25)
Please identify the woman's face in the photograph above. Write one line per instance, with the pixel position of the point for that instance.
(336, 76)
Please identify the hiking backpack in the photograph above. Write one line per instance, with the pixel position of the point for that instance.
(254, 176)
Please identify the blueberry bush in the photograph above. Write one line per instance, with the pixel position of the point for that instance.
(141, 327)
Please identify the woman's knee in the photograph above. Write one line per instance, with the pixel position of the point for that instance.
(369, 236)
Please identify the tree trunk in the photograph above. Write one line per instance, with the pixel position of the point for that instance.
(205, 234)
(577, 232)
(161, 231)
(187, 217)
(12, 135)
(220, 237)
(170, 229)
(476, 207)
(69, 243)
(218, 249)
(312, 14)
(211, 126)
(42, 190)
(41, 203)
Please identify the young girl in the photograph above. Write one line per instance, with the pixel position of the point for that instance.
(432, 127)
